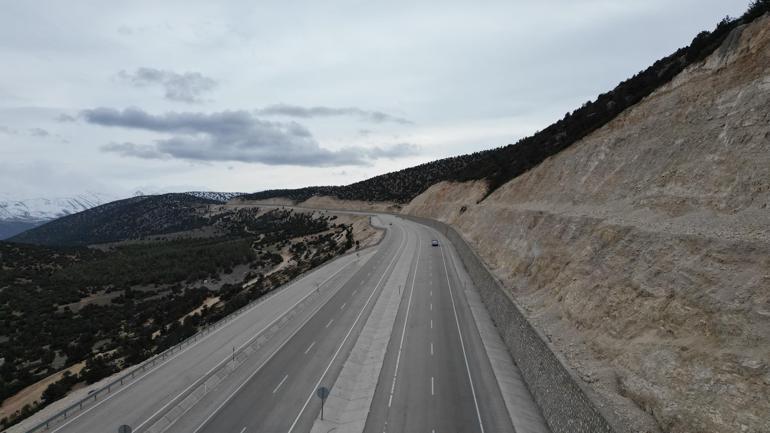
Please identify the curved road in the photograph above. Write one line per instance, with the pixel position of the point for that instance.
(436, 376)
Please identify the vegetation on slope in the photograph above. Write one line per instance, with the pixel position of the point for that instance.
(60, 306)
(123, 219)
(502, 164)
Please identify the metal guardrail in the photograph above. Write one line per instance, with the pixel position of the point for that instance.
(148, 364)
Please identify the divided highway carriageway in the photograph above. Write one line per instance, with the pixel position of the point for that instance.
(260, 372)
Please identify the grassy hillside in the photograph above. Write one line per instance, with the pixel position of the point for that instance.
(502, 164)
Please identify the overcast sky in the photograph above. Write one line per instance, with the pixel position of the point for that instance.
(113, 97)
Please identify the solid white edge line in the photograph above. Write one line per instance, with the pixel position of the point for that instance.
(227, 358)
(254, 373)
(312, 393)
(406, 320)
(462, 344)
(205, 337)
(237, 390)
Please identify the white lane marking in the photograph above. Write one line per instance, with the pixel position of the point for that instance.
(403, 331)
(254, 373)
(431, 292)
(432, 391)
(329, 324)
(431, 323)
(309, 347)
(350, 331)
(431, 306)
(431, 348)
(279, 385)
(244, 429)
(343, 306)
(205, 337)
(462, 344)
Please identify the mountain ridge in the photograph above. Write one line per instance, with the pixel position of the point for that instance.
(119, 220)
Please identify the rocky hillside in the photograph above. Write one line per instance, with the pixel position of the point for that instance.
(643, 251)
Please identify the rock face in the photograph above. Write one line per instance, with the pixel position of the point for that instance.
(643, 251)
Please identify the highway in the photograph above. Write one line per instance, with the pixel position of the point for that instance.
(436, 376)
(280, 396)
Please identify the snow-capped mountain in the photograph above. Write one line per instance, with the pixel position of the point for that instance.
(21, 214)
(18, 213)
(45, 209)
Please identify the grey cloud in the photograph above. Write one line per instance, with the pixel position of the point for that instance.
(320, 111)
(7, 130)
(392, 152)
(233, 136)
(187, 87)
(136, 150)
(64, 117)
(38, 132)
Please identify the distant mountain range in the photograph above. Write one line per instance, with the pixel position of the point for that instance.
(46, 209)
(21, 214)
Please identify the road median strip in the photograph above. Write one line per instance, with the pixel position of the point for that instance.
(347, 406)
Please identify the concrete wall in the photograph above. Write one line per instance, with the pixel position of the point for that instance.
(566, 405)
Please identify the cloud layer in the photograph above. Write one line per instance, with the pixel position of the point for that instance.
(232, 136)
(187, 87)
(320, 111)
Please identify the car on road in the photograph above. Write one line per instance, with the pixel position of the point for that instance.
(434, 242)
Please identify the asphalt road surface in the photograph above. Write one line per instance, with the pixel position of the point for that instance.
(436, 376)
(280, 397)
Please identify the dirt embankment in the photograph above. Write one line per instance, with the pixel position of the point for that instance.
(643, 251)
(324, 203)
(34, 392)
